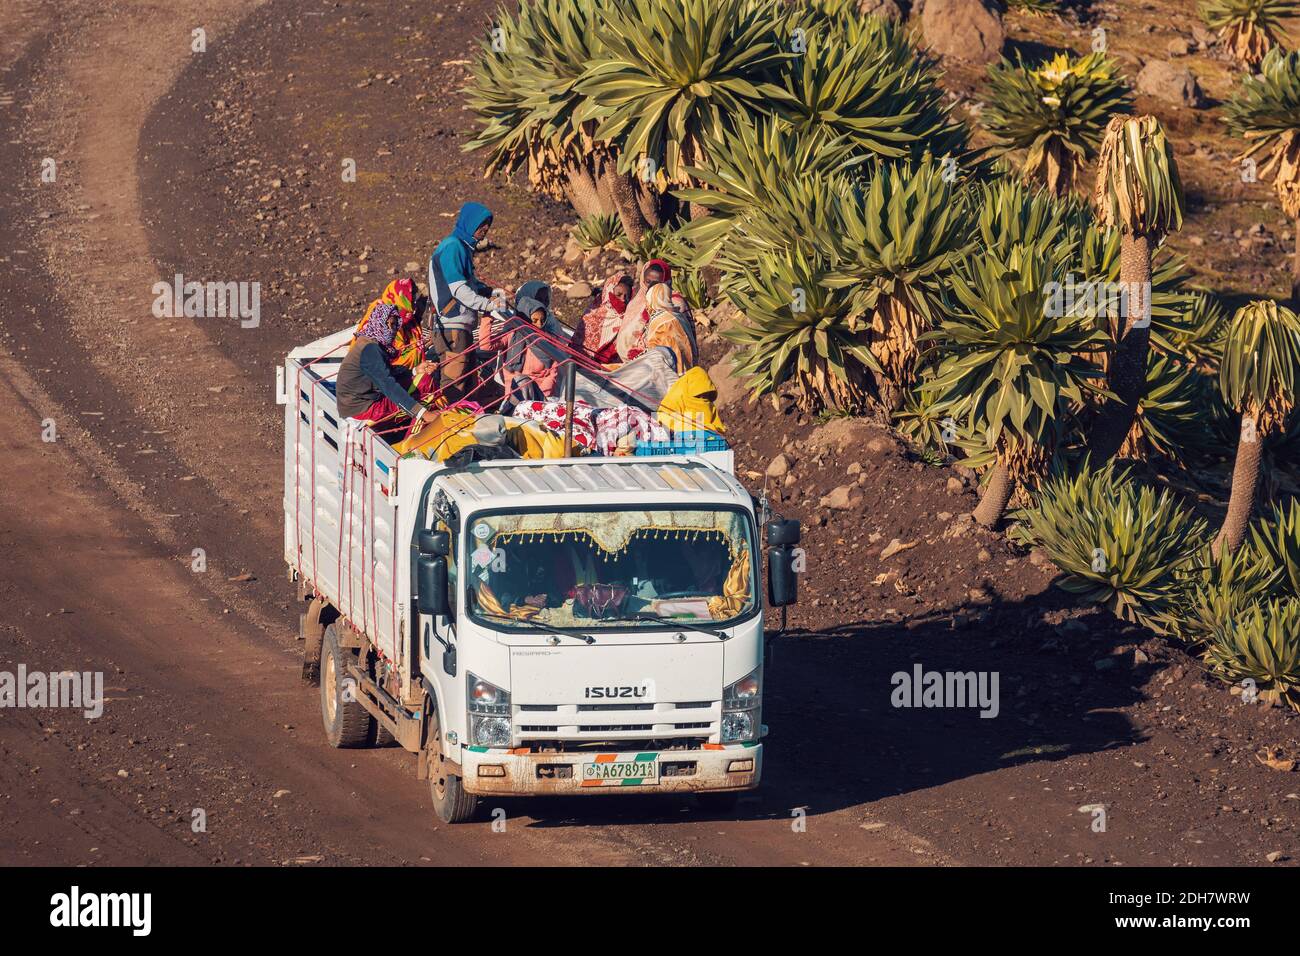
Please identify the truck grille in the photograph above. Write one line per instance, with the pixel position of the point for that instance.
(618, 724)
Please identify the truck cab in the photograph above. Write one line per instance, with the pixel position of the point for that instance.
(601, 628)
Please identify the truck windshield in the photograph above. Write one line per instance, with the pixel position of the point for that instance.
(611, 569)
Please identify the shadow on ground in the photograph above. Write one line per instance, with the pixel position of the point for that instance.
(837, 741)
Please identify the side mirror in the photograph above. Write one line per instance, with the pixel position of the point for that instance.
(782, 579)
(431, 578)
(435, 543)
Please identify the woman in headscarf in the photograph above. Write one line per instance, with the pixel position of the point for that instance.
(596, 333)
(670, 328)
(369, 387)
(531, 366)
(401, 294)
(631, 337)
(492, 325)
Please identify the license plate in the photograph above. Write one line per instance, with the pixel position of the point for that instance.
(621, 770)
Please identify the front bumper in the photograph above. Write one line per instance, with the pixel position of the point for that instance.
(505, 772)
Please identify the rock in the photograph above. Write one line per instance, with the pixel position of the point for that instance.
(839, 434)
(727, 383)
(854, 468)
(572, 251)
(1169, 82)
(956, 486)
(1275, 856)
(779, 467)
(1178, 46)
(841, 499)
(578, 291)
(1039, 558)
(878, 446)
(983, 555)
(1204, 36)
(281, 793)
(944, 516)
(723, 316)
(887, 9)
(895, 546)
(413, 267)
(968, 30)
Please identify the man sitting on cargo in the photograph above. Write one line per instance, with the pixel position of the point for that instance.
(370, 388)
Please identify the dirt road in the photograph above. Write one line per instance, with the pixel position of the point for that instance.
(224, 165)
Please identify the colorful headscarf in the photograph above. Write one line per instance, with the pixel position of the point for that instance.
(664, 267)
(670, 327)
(601, 323)
(659, 299)
(400, 294)
(378, 328)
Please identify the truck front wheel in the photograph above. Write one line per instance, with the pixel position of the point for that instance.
(451, 802)
(347, 724)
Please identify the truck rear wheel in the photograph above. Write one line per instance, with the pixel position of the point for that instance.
(451, 802)
(347, 724)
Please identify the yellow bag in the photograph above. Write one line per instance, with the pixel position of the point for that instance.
(442, 435)
(532, 440)
(688, 406)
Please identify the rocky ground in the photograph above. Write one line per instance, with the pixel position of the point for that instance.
(229, 165)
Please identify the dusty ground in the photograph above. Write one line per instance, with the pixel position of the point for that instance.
(226, 165)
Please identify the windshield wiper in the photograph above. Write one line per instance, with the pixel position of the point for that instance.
(674, 622)
(538, 625)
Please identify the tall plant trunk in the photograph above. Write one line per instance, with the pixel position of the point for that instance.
(621, 190)
(584, 196)
(649, 202)
(997, 494)
(1127, 374)
(1295, 268)
(1245, 484)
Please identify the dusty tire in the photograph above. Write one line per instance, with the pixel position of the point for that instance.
(347, 724)
(723, 801)
(450, 801)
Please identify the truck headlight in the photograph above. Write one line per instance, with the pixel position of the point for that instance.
(489, 712)
(490, 731)
(741, 704)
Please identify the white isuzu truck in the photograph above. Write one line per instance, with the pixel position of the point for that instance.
(579, 625)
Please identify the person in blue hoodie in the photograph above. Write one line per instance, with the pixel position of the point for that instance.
(459, 298)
